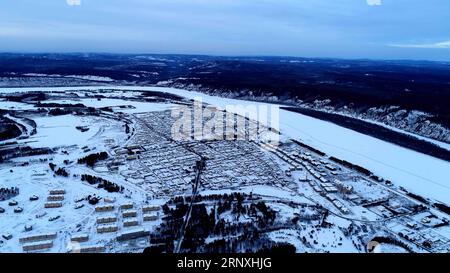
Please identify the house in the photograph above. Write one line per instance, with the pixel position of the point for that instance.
(104, 208)
(107, 228)
(132, 234)
(130, 222)
(107, 219)
(126, 206)
(52, 205)
(37, 246)
(151, 216)
(57, 192)
(129, 213)
(92, 249)
(55, 198)
(150, 208)
(343, 187)
(38, 237)
(79, 238)
(109, 199)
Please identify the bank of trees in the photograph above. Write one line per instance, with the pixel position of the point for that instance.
(102, 183)
(91, 159)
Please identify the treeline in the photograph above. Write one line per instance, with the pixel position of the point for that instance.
(351, 165)
(76, 110)
(249, 242)
(22, 151)
(58, 171)
(91, 159)
(442, 207)
(60, 105)
(377, 131)
(7, 193)
(102, 183)
(319, 152)
(206, 221)
(8, 131)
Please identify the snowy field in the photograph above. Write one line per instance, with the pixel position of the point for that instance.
(55, 131)
(414, 171)
(12, 105)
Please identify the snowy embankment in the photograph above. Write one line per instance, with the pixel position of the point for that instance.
(123, 105)
(82, 77)
(422, 174)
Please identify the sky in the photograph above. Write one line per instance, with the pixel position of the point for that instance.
(376, 29)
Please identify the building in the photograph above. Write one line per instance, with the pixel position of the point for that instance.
(92, 249)
(57, 192)
(107, 228)
(38, 237)
(126, 206)
(150, 208)
(151, 217)
(55, 198)
(52, 205)
(109, 199)
(129, 213)
(104, 208)
(37, 246)
(330, 189)
(132, 234)
(343, 187)
(79, 238)
(130, 222)
(107, 219)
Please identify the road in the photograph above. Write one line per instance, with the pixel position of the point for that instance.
(199, 169)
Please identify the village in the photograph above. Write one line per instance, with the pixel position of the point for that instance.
(128, 182)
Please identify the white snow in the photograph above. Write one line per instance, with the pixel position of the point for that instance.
(54, 131)
(83, 77)
(415, 171)
(91, 78)
(12, 105)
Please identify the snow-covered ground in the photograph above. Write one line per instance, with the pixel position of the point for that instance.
(91, 78)
(55, 131)
(417, 172)
(36, 178)
(83, 77)
(12, 105)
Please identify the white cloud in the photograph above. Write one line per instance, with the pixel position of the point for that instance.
(374, 2)
(444, 44)
(73, 2)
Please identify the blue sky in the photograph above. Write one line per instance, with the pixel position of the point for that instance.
(386, 29)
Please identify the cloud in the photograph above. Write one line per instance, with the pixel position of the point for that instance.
(444, 44)
(73, 2)
(374, 2)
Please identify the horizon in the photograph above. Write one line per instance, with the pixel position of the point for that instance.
(350, 29)
(222, 56)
